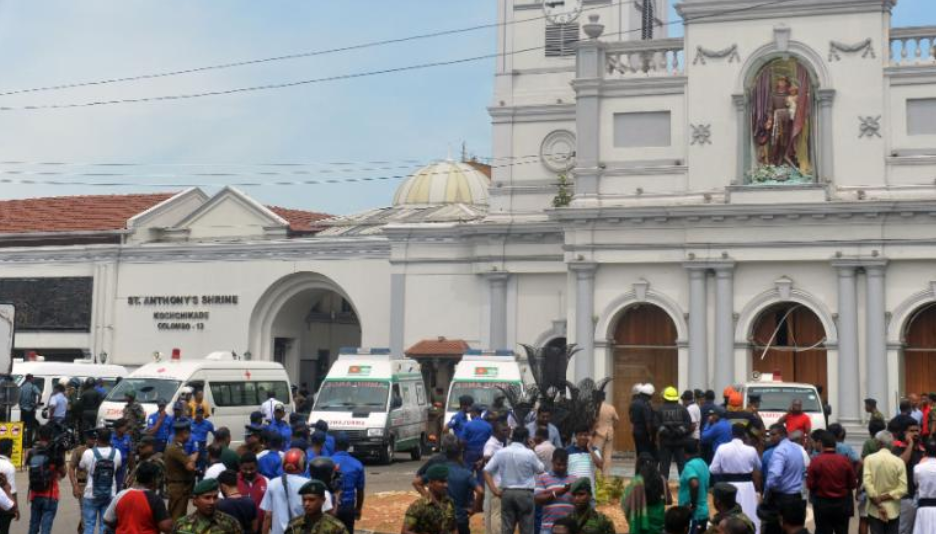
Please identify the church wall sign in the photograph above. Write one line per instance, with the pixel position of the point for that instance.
(181, 312)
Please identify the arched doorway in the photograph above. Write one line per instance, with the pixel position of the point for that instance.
(302, 322)
(920, 351)
(789, 338)
(644, 351)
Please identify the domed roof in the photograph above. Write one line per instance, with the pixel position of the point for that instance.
(444, 182)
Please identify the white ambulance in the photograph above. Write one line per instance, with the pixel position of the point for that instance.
(233, 388)
(47, 374)
(378, 400)
(777, 395)
(480, 374)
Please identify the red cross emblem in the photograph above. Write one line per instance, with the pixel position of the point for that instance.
(247, 374)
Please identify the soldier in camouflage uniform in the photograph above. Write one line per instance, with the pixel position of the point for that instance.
(205, 519)
(434, 514)
(314, 521)
(146, 453)
(589, 520)
(724, 496)
(135, 415)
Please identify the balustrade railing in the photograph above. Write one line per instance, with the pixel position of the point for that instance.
(656, 57)
(913, 46)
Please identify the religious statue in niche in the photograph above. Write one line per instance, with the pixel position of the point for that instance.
(781, 122)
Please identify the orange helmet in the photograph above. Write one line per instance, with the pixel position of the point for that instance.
(728, 391)
(735, 399)
(294, 460)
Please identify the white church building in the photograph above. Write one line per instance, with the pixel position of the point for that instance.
(757, 195)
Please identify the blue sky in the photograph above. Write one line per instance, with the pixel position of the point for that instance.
(418, 115)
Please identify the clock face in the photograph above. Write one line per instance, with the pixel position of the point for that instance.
(562, 11)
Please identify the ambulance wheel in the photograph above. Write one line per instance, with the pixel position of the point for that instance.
(386, 455)
(417, 452)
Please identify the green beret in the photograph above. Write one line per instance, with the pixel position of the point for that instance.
(724, 491)
(313, 487)
(437, 472)
(582, 484)
(208, 485)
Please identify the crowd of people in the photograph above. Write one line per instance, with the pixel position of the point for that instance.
(175, 472)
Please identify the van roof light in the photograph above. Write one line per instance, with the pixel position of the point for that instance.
(176, 354)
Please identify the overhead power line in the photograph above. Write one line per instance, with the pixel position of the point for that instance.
(284, 85)
(287, 57)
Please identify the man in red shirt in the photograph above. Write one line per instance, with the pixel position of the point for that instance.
(795, 419)
(831, 480)
(250, 483)
(43, 501)
(139, 510)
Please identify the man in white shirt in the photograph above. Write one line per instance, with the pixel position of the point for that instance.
(738, 464)
(92, 509)
(216, 466)
(269, 406)
(517, 466)
(58, 404)
(9, 471)
(492, 503)
(695, 414)
(282, 506)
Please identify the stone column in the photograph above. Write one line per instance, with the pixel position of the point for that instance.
(742, 135)
(497, 287)
(724, 325)
(397, 313)
(848, 402)
(584, 324)
(698, 364)
(876, 349)
(590, 69)
(825, 97)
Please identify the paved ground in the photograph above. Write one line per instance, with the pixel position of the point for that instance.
(380, 478)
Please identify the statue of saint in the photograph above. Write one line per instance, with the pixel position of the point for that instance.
(780, 118)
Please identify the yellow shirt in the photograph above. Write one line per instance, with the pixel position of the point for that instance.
(885, 473)
(204, 403)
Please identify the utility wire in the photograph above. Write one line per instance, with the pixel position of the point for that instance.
(299, 55)
(265, 87)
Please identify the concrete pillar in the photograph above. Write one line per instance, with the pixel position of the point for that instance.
(590, 69)
(742, 136)
(848, 401)
(698, 364)
(584, 323)
(876, 349)
(497, 287)
(724, 326)
(825, 97)
(397, 313)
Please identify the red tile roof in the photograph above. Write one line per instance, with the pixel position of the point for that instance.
(92, 213)
(300, 221)
(438, 347)
(100, 213)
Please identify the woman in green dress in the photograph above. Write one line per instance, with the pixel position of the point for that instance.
(644, 500)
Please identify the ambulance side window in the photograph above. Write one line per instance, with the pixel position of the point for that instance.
(396, 399)
(420, 394)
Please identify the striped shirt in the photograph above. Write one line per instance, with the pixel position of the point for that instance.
(562, 505)
(581, 464)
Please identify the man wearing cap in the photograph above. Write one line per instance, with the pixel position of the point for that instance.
(589, 520)
(434, 514)
(351, 469)
(206, 519)
(180, 471)
(179, 415)
(135, 415)
(322, 425)
(675, 427)
(724, 495)
(266, 409)
(738, 464)
(474, 435)
(201, 427)
(146, 454)
(604, 431)
(279, 425)
(252, 441)
(718, 430)
(313, 520)
(159, 426)
(461, 416)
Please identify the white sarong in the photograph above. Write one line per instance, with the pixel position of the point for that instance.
(747, 499)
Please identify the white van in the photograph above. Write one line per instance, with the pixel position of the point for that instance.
(47, 374)
(378, 400)
(481, 374)
(777, 395)
(233, 388)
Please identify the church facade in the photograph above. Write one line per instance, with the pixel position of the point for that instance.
(757, 195)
